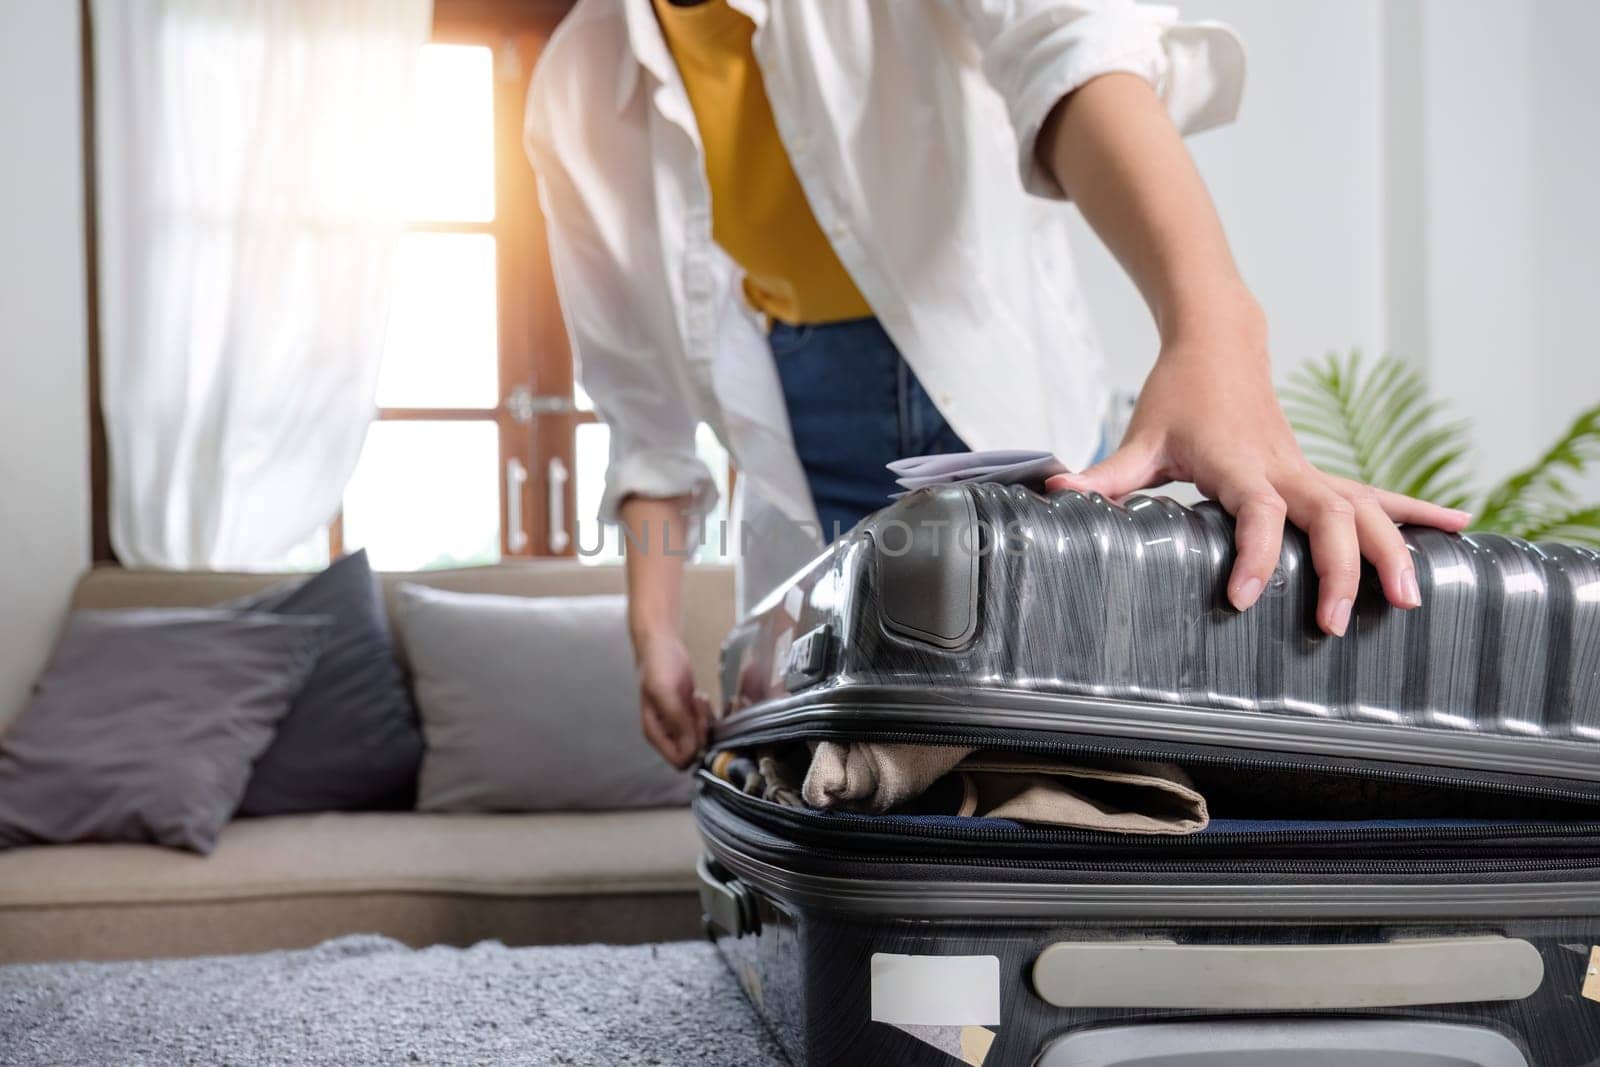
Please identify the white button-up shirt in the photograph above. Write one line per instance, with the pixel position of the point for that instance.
(911, 126)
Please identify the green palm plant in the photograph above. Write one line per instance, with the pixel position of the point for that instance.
(1377, 424)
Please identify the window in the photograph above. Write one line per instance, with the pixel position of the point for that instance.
(427, 491)
(482, 449)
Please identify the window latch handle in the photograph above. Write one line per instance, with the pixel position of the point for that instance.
(524, 405)
(516, 480)
(556, 486)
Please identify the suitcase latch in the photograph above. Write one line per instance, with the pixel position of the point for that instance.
(725, 903)
(808, 659)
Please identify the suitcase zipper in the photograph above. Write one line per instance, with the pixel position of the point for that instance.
(770, 844)
(1003, 740)
(860, 827)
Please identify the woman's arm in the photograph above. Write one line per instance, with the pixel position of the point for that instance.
(595, 189)
(1207, 412)
(675, 714)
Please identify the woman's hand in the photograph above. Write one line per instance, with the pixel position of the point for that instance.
(1208, 414)
(675, 715)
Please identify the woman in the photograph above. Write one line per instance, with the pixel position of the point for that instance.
(834, 231)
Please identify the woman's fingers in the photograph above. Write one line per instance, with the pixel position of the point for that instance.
(1382, 544)
(1401, 508)
(1345, 521)
(662, 737)
(674, 716)
(1377, 513)
(670, 724)
(1258, 536)
(702, 718)
(1134, 466)
(1329, 520)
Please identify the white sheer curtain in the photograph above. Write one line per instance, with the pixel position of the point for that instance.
(248, 176)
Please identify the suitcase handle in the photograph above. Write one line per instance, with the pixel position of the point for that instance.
(725, 903)
(1281, 1041)
(1389, 974)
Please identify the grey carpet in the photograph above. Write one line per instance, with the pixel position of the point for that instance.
(369, 1000)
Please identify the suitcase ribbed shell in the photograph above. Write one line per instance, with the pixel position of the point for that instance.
(1070, 612)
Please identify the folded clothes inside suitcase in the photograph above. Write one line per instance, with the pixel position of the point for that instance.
(1138, 797)
(1402, 858)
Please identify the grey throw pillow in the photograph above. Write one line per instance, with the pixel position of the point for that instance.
(146, 722)
(529, 704)
(351, 739)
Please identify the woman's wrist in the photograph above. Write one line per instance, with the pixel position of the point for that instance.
(648, 633)
(1212, 320)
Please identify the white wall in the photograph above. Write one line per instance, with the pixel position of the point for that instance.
(44, 476)
(1415, 176)
(1511, 179)
(1297, 179)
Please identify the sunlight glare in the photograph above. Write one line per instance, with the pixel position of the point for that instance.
(452, 160)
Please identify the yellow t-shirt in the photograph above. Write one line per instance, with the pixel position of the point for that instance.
(759, 213)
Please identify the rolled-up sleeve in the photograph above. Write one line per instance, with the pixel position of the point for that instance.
(599, 215)
(1037, 51)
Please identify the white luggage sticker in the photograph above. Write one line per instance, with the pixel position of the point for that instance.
(935, 990)
(1591, 978)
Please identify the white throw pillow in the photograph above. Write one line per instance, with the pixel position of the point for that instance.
(529, 704)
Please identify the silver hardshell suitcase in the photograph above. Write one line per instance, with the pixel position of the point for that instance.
(1404, 862)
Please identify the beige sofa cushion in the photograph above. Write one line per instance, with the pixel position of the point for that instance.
(296, 880)
(504, 855)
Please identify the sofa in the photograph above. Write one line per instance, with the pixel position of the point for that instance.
(292, 881)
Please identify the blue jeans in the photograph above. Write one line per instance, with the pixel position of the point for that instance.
(854, 406)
